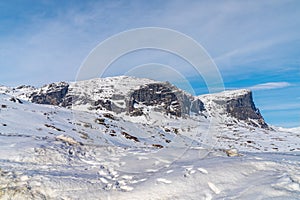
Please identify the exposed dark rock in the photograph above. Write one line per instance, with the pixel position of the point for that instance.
(243, 108)
(108, 115)
(24, 86)
(53, 127)
(197, 106)
(16, 100)
(68, 101)
(130, 137)
(54, 95)
(100, 121)
(164, 96)
(154, 94)
(136, 112)
(102, 104)
(158, 146)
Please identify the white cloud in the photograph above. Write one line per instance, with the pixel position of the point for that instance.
(270, 86)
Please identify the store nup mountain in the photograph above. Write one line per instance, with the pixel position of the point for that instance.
(127, 138)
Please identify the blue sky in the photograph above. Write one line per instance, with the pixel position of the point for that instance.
(255, 44)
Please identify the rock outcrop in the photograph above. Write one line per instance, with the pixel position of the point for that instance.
(52, 94)
(161, 96)
(165, 97)
(238, 104)
(243, 108)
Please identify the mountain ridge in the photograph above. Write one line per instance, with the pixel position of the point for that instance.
(133, 95)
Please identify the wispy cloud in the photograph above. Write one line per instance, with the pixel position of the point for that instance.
(270, 86)
(233, 32)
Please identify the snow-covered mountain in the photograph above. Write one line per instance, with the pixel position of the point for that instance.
(132, 138)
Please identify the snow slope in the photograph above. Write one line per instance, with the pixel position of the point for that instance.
(49, 152)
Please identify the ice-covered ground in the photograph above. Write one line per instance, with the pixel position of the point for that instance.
(48, 152)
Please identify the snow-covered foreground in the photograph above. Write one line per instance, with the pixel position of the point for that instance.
(49, 152)
(109, 174)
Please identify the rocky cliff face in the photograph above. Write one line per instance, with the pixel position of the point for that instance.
(161, 96)
(238, 104)
(134, 96)
(165, 97)
(52, 94)
(243, 108)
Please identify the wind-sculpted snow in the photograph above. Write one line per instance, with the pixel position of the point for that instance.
(56, 152)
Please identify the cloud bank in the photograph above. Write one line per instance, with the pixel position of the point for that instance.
(270, 86)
